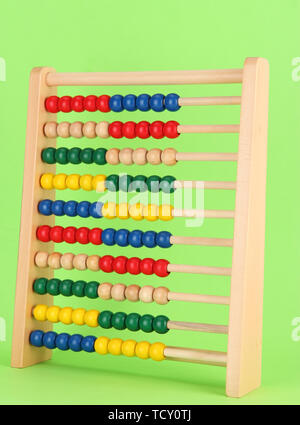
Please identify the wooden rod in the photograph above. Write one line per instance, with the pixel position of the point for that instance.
(192, 240)
(199, 327)
(194, 184)
(216, 100)
(232, 128)
(216, 76)
(207, 156)
(187, 268)
(193, 355)
(198, 298)
(191, 213)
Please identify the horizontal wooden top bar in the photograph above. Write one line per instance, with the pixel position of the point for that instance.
(216, 76)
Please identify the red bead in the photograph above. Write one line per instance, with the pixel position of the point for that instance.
(170, 129)
(51, 104)
(77, 103)
(90, 103)
(161, 268)
(106, 263)
(103, 103)
(129, 129)
(119, 264)
(147, 265)
(56, 234)
(157, 129)
(43, 233)
(142, 129)
(133, 265)
(69, 234)
(82, 235)
(95, 236)
(115, 129)
(64, 104)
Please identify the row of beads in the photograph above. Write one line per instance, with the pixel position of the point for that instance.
(109, 210)
(106, 263)
(117, 103)
(97, 236)
(105, 290)
(102, 345)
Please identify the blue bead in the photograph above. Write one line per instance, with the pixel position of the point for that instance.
(116, 103)
(96, 209)
(121, 237)
(62, 341)
(70, 208)
(108, 236)
(163, 239)
(157, 102)
(49, 339)
(58, 208)
(87, 343)
(36, 338)
(75, 342)
(44, 207)
(83, 209)
(142, 102)
(135, 238)
(149, 239)
(171, 102)
(129, 102)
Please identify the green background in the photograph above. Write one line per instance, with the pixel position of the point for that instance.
(159, 35)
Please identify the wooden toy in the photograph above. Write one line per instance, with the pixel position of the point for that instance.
(33, 337)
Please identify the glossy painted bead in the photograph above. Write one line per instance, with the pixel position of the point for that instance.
(121, 237)
(87, 343)
(47, 181)
(56, 234)
(74, 155)
(91, 318)
(139, 184)
(59, 181)
(109, 210)
(61, 156)
(57, 208)
(44, 207)
(43, 233)
(170, 129)
(119, 264)
(142, 129)
(142, 349)
(116, 103)
(143, 102)
(65, 287)
(82, 235)
(70, 208)
(118, 320)
(51, 104)
(108, 236)
(99, 156)
(98, 183)
(106, 263)
(136, 211)
(122, 210)
(90, 103)
(133, 322)
(77, 103)
(112, 183)
(73, 181)
(83, 209)
(128, 130)
(165, 212)
(156, 351)
(135, 238)
(153, 184)
(69, 234)
(95, 209)
(160, 268)
(101, 345)
(149, 239)
(91, 289)
(150, 212)
(129, 102)
(40, 312)
(75, 342)
(78, 316)
(115, 346)
(163, 239)
(48, 155)
(85, 182)
(133, 265)
(160, 324)
(103, 103)
(147, 265)
(157, 102)
(128, 348)
(167, 184)
(157, 129)
(52, 314)
(36, 338)
(95, 236)
(49, 340)
(115, 129)
(40, 286)
(105, 318)
(125, 183)
(78, 288)
(62, 341)
(86, 155)
(64, 104)
(171, 102)
(65, 315)
(146, 323)
(53, 286)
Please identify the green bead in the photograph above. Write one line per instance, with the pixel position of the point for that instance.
(167, 184)
(91, 290)
(86, 155)
(112, 183)
(78, 288)
(153, 184)
(99, 156)
(48, 155)
(160, 324)
(139, 184)
(40, 286)
(118, 320)
(125, 182)
(132, 322)
(104, 319)
(146, 323)
(74, 155)
(65, 287)
(61, 156)
(53, 286)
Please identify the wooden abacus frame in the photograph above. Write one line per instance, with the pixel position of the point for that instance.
(243, 357)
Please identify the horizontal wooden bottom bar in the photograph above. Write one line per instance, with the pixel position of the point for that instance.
(193, 355)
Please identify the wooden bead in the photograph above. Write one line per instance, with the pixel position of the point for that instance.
(63, 129)
(139, 156)
(41, 259)
(102, 129)
(146, 294)
(92, 263)
(79, 261)
(125, 156)
(66, 261)
(50, 129)
(168, 156)
(104, 291)
(132, 293)
(112, 156)
(54, 260)
(160, 295)
(154, 156)
(118, 292)
(89, 129)
(76, 129)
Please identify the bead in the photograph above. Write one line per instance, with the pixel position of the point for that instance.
(50, 130)
(101, 345)
(143, 102)
(78, 316)
(129, 102)
(59, 181)
(132, 293)
(104, 319)
(157, 129)
(125, 183)
(156, 351)
(153, 184)
(40, 312)
(136, 211)
(142, 349)
(86, 155)
(128, 130)
(138, 184)
(165, 212)
(160, 324)
(103, 103)
(106, 263)
(51, 104)
(118, 292)
(83, 209)
(170, 129)
(121, 237)
(108, 236)
(160, 268)
(63, 129)
(41, 259)
(109, 210)
(149, 239)
(168, 156)
(135, 238)
(47, 181)
(57, 208)
(36, 338)
(95, 236)
(167, 184)
(92, 263)
(86, 182)
(142, 129)
(99, 156)
(119, 264)
(65, 287)
(43, 233)
(70, 208)
(87, 343)
(122, 211)
(146, 294)
(48, 155)
(39, 286)
(146, 323)
(139, 156)
(54, 260)
(163, 239)
(116, 103)
(132, 322)
(49, 340)
(75, 342)
(66, 261)
(91, 318)
(150, 212)
(76, 129)
(102, 129)
(90, 103)
(147, 265)
(56, 234)
(72, 181)
(114, 346)
(62, 341)
(44, 207)
(65, 315)
(64, 104)
(115, 129)
(52, 314)
(171, 102)
(79, 261)
(78, 288)
(125, 156)
(154, 156)
(53, 286)
(128, 348)
(69, 234)
(112, 183)
(91, 289)
(89, 129)
(133, 265)
(112, 156)
(95, 209)
(157, 102)
(104, 291)
(77, 103)
(118, 321)
(74, 155)
(98, 183)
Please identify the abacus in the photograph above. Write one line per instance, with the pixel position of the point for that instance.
(33, 338)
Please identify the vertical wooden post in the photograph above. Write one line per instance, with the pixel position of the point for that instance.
(245, 317)
(23, 354)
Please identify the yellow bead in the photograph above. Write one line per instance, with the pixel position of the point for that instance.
(40, 312)
(65, 315)
(136, 211)
(142, 349)
(122, 210)
(91, 318)
(150, 212)
(53, 313)
(101, 345)
(59, 181)
(78, 316)
(165, 212)
(72, 181)
(157, 351)
(128, 348)
(114, 346)
(47, 181)
(98, 183)
(109, 210)
(86, 182)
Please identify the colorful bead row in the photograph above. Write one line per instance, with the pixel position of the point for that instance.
(110, 237)
(117, 103)
(106, 263)
(105, 319)
(102, 345)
